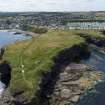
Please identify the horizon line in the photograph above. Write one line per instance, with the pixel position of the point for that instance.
(53, 11)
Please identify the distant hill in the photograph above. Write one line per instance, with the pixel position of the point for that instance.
(8, 13)
(99, 15)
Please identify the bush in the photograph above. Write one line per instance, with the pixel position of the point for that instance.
(103, 32)
(37, 30)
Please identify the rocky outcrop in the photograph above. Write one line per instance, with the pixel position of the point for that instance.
(2, 50)
(92, 40)
(67, 89)
(73, 82)
(6, 98)
(98, 42)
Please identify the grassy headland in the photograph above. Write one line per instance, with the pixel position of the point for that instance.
(31, 58)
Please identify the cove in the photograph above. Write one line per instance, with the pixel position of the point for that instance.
(7, 38)
(95, 96)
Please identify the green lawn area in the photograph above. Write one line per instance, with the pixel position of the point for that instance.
(30, 58)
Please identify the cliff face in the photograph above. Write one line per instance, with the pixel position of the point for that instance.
(56, 86)
(5, 73)
(5, 77)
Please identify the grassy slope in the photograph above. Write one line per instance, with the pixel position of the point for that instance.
(35, 57)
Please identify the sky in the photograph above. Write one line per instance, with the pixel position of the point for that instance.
(51, 5)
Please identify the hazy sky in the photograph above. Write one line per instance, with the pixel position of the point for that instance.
(52, 5)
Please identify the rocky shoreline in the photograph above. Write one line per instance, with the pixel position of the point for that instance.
(73, 82)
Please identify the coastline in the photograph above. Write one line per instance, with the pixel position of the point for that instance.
(4, 30)
(92, 83)
(20, 31)
(79, 82)
(23, 32)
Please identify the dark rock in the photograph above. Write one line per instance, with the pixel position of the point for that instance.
(92, 40)
(5, 73)
(2, 50)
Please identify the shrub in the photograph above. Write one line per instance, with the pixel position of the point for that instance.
(37, 30)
